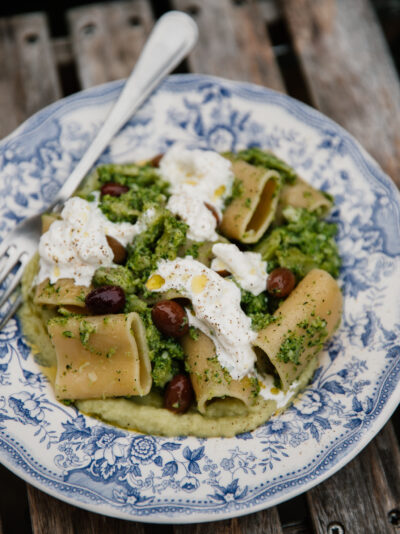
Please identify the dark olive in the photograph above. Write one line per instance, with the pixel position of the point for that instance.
(170, 318)
(213, 211)
(179, 394)
(224, 273)
(155, 162)
(113, 189)
(106, 299)
(280, 282)
(119, 250)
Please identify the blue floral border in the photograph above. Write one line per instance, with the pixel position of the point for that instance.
(232, 498)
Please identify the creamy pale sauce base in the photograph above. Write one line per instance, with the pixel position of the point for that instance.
(224, 418)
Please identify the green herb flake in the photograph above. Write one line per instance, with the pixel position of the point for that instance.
(257, 308)
(291, 349)
(85, 330)
(67, 333)
(237, 192)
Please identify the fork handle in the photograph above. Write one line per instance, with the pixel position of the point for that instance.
(172, 38)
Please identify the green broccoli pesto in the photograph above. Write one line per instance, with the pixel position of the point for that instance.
(291, 349)
(114, 276)
(194, 333)
(135, 304)
(131, 174)
(165, 352)
(302, 243)
(130, 205)
(260, 158)
(193, 249)
(146, 188)
(67, 333)
(161, 240)
(313, 334)
(255, 386)
(256, 307)
(85, 330)
(236, 192)
(199, 250)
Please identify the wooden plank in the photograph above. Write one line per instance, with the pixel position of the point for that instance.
(386, 471)
(270, 10)
(14, 509)
(28, 77)
(62, 50)
(233, 41)
(255, 46)
(362, 494)
(28, 82)
(300, 528)
(263, 522)
(349, 71)
(352, 79)
(9, 87)
(107, 39)
(126, 26)
(49, 515)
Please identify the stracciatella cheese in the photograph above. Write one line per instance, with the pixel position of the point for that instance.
(268, 390)
(196, 215)
(216, 310)
(76, 245)
(247, 268)
(197, 177)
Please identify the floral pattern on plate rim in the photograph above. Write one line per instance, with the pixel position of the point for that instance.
(353, 392)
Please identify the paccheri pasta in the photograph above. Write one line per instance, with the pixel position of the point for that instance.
(147, 315)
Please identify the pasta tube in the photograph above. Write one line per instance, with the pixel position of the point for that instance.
(248, 216)
(47, 221)
(101, 356)
(301, 194)
(305, 320)
(209, 380)
(63, 293)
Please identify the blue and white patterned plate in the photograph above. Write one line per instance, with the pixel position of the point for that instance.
(354, 391)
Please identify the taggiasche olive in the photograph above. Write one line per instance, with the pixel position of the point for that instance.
(113, 189)
(213, 211)
(170, 318)
(280, 282)
(179, 394)
(155, 162)
(105, 300)
(119, 250)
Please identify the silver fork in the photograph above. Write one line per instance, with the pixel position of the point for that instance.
(172, 38)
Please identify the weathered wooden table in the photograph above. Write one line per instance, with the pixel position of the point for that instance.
(335, 58)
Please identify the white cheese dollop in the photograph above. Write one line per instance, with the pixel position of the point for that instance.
(197, 176)
(248, 268)
(76, 245)
(196, 215)
(217, 311)
(269, 392)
